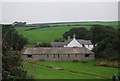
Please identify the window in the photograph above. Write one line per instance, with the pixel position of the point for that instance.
(54, 55)
(47, 55)
(83, 45)
(29, 56)
(75, 55)
(68, 55)
(87, 55)
(58, 56)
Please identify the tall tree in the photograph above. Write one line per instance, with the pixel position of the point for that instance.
(12, 42)
(19, 24)
(107, 42)
(100, 32)
(81, 33)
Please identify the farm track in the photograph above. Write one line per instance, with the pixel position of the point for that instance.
(75, 72)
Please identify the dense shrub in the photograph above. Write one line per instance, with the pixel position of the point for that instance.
(106, 63)
(42, 60)
(59, 40)
(12, 43)
(75, 60)
(83, 61)
(81, 33)
(44, 44)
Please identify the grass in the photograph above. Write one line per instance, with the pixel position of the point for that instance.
(71, 70)
(111, 23)
(45, 34)
(49, 34)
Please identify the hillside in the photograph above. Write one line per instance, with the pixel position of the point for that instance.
(56, 30)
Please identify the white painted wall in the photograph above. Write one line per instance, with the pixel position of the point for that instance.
(73, 43)
(90, 47)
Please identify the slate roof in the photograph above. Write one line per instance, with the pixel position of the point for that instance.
(57, 44)
(81, 41)
(85, 42)
(58, 50)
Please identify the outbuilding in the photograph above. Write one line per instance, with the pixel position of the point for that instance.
(57, 54)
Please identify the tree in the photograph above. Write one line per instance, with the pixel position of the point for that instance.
(19, 24)
(12, 42)
(44, 44)
(81, 33)
(100, 32)
(108, 42)
(59, 40)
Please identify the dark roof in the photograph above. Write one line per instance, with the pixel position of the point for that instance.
(81, 41)
(57, 44)
(85, 42)
(59, 50)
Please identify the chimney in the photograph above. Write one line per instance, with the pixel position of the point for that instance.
(73, 35)
(68, 37)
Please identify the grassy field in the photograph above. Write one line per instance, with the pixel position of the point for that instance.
(112, 23)
(71, 70)
(49, 34)
(45, 34)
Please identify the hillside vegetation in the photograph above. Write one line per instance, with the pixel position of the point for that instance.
(112, 23)
(57, 30)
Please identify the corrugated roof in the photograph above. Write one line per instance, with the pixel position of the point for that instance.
(58, 50)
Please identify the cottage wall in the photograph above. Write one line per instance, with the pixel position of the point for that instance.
(73, 43)
(59, 57)
(90, 47)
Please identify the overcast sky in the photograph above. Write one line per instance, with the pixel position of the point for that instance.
(38, 12)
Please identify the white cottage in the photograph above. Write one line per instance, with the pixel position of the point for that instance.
(73, 43)
(79, 43)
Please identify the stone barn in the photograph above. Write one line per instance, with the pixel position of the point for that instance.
(57, 54)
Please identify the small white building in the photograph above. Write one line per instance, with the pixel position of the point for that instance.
(73, 43)
(79, 43)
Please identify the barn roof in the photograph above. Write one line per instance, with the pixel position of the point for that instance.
(85, 42)
(57, 44)
(58, 50)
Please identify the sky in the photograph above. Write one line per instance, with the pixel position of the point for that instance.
(63, 11)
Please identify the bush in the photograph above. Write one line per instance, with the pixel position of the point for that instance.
(106, 63)
(75, 60)
(42, 60)
(84, 61)
(59, 40)
(44, 44)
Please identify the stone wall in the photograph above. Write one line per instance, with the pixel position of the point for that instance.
(58, 57)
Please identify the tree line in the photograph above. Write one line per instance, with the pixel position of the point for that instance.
(12, 43)
(106, 37)
(19, 24)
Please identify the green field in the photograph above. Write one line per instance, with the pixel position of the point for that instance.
(111, 23)
(49, 34)
(71, 70)
(45, 34)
